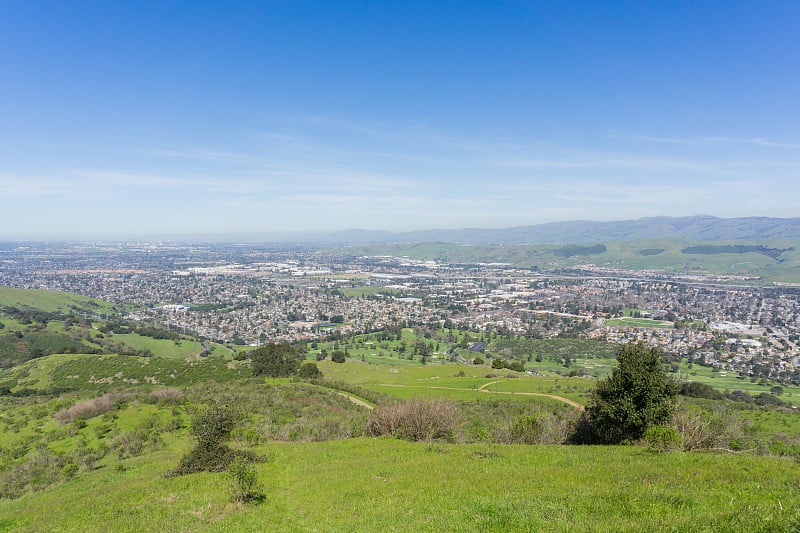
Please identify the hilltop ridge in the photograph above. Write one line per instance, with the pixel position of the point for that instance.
(698, 227)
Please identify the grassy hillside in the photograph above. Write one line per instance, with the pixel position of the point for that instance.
(390, 485)
(38, 323)
(95, 472)
(772, 260)
(105, 372)
(51, 301)
(87, 441)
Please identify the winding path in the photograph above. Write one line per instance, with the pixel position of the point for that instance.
(484, 388)
(357, 401)
(573, 403)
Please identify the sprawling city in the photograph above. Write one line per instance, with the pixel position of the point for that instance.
(250, 295)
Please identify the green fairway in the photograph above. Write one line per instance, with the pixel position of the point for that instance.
(447, 381)
(367, 290)
(725, 380)
(627, 321)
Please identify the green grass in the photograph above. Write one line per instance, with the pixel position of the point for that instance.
(370, 290)
(440, 381)
(390, 485)
(377, 484)
(627, 321)
(161, 347)
(51, 301)
(724, 380)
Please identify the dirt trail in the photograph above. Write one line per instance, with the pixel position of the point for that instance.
(567, 401)
(483, 388)
(355, 400)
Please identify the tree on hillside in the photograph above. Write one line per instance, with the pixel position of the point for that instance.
(309, 371)
(637, 395)
(275, 360)
(211, 427)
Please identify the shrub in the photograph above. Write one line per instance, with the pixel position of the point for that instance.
(129, 443)
(166, 395)
(70, 470)
(662, 438)
(39, 471)
(246, 436)
(478, 361)
(338, 356)
(211, 427)
(417, 420)
(526, 429)
(88, 408)
(498, 363)
(309, 371)
(244, 485)
(716, 429)
(516, 366)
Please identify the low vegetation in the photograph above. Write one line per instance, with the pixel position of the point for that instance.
(358, 446)
(417, 420)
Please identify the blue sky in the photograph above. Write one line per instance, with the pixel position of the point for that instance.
(138, 119)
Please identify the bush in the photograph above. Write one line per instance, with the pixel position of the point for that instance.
(498, 363)
(211, 427)
(718, 428)
(662, 438)
(246, 436)
(275, 360)
(478, 361)
(166, 395)
(89, 408)
(416, 420)
(526, 429)
(309, 371)
(244, 485)
(516, 366)
(39, 471)
(338, 356)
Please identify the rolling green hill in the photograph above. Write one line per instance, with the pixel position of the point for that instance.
(773, 260)
(390, 485)
(52, 301)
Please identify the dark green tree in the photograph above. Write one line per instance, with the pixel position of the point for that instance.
(516, 366)
(275, 360)
(309, 371)
(211, 427)
(637, 395)
(338, 356)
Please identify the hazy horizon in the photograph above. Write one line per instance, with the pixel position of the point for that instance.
(264, 118)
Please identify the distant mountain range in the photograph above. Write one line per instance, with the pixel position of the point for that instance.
(698, 227)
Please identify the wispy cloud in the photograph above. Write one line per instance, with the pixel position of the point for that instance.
(709, 140)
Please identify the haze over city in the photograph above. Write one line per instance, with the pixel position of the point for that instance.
(254, 119)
